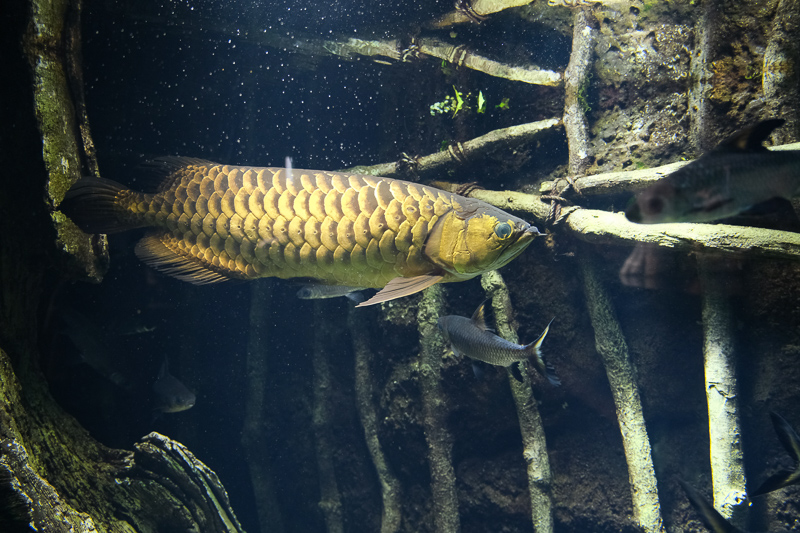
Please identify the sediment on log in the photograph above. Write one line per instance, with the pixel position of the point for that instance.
(612, 348)
(575, 81)
(255, 434)
(534, 444)
(368, 414)
(434, 413)
(330, 500)
(724, 426)
(460, 152)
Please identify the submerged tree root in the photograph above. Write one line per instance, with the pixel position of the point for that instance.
(724, 429)
(368, 414)
(330, 500)
(534, 445)
(434, 413)
(612, 348)
(254, 432)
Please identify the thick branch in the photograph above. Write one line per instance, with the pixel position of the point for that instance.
(575, 82)
(434, 412)
(534, 444)
(613, 349)
(724, 428)
(477, 9)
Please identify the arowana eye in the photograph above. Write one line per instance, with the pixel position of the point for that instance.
(504, 230)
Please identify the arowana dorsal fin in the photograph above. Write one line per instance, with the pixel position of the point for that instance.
(161, 173)
(751, 138)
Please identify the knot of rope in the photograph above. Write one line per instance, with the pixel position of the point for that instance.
(557, 213)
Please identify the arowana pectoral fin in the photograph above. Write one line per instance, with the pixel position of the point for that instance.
(399, 287)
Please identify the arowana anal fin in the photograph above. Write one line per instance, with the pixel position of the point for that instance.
(399, 287)
(163, 252)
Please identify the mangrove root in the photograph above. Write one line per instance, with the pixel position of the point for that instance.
(368, 414)
(612, 348)
(255, 434)
(434, 413)
(724, 429)
(534, 445)
(330, 499)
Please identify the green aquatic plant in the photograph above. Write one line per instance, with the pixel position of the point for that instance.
(481, 102)
(459, 101)
(503, 104)
(582, 91)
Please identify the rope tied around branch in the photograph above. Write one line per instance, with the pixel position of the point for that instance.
(558, 214)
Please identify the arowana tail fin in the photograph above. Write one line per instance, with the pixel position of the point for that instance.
(94, 205)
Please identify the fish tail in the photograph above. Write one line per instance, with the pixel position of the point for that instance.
(538, 361)
(95, 205)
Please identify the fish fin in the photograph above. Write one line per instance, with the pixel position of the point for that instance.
(92, 205)
(751, 139)
(713, 520)
(538, 360)
(791, 443)
(477, 370)
(787, 436)
(161, 174)
(516, 371)
(162, 252)
(479, 316)
(356, 296)
(399, 287)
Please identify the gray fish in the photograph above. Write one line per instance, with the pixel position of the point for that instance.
(712, 519)
(318, 291)
(172, 396)
(791, 442)
(471, 337)
(94, 347)
(735, 176)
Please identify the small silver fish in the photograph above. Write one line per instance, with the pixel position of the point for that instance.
(317, 292)
(733, 177)
(471, 337)
(172, 396)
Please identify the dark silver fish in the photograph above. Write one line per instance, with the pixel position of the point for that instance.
(318, 292)
(172, 396)
(95, 347)
(471, 337)
(735, 176)
(791, 442)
